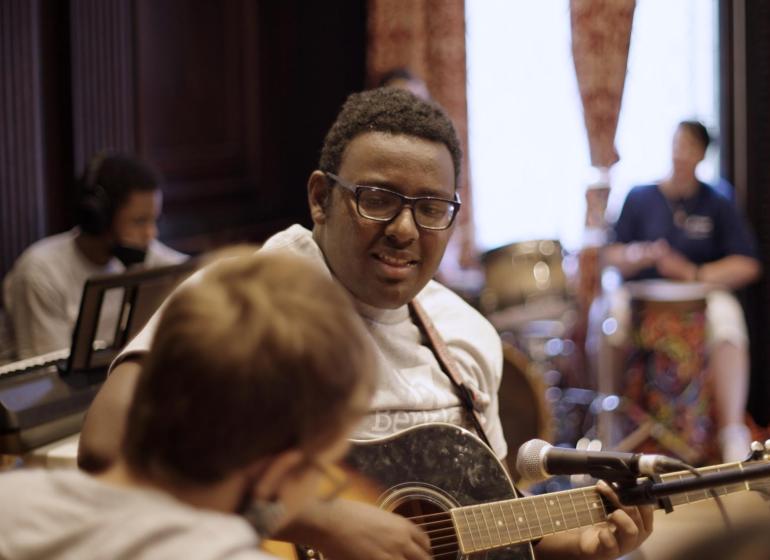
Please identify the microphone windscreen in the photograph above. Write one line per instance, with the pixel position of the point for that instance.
(528, 460)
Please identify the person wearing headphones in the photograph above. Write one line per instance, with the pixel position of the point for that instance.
(119, 204)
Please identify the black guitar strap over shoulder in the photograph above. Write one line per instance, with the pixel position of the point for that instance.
(449, 367)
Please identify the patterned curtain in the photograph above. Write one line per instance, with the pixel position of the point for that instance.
(601, 34)
(428, 37)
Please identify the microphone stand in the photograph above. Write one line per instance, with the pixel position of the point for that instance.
(651, 491)
(611, 469)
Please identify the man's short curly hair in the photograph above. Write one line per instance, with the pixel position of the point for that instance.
(390, 110)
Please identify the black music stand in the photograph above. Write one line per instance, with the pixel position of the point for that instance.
(143, 292)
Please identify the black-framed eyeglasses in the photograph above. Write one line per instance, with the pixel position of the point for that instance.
(382, 205)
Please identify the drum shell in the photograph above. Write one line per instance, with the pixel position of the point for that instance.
(519, 272)
(524, 410)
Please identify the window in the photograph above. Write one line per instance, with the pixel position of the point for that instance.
(528, 147)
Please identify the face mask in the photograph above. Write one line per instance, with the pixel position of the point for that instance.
(129, 256)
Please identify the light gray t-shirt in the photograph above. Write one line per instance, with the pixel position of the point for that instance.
(43, 289)
(412, 387)
(68, 515)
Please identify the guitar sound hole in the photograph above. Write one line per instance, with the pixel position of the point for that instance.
(432, 516)
(418, 507)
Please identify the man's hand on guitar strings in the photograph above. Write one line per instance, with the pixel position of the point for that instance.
(358, 531)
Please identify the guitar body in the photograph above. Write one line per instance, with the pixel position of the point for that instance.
(425, 471)
(429, 469)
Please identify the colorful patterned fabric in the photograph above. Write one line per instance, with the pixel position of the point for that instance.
(601, 34)
(667, 378)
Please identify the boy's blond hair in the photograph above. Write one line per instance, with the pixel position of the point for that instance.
(256, 355)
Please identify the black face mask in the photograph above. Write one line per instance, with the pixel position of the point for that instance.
(129, 256)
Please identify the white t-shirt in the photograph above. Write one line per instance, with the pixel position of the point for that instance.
(67, 515)
(412, 387)
(43, 289)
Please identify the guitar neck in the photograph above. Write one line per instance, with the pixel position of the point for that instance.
(700, 495)
(492, 525)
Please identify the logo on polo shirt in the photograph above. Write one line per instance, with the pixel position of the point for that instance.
(698, 227)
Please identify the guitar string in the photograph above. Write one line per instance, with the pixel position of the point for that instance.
(456, 549)
(442, 537)
(433, 532)
(429, 515)
(453, 551)
(479, 531)
(446, 525)
(440, 534)
(445, 517)
(432, 524)
(526, 501)
(453, 537)
(443, 545)
(444, 520)
(480, 534)
(437, 541)
(436, 526)
(440, 529)
(436, 554)
(438, 538)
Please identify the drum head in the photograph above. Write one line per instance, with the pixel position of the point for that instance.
(667, 290)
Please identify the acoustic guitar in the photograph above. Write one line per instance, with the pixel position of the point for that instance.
(447, 481)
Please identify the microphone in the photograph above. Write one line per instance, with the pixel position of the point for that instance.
(538, 459)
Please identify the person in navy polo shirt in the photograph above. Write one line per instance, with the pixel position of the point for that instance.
(681, 229)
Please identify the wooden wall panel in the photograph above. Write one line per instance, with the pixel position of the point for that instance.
(192, 91)
(757, 142)
(22, 200)
(311, 59)
(103, 110)
(197, 115)
(745, 145)
(230, 100)
(56, 101)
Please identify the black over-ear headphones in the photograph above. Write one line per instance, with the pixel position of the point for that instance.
(95, 209)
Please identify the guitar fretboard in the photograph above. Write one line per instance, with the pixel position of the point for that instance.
(700, 495)
(493, 525)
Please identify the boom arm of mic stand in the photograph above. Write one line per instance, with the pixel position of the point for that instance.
(611, 469)
(650, 492)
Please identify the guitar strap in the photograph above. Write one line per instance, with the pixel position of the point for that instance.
(449, 367)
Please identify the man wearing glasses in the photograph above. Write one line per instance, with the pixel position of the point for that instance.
(383, 203)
